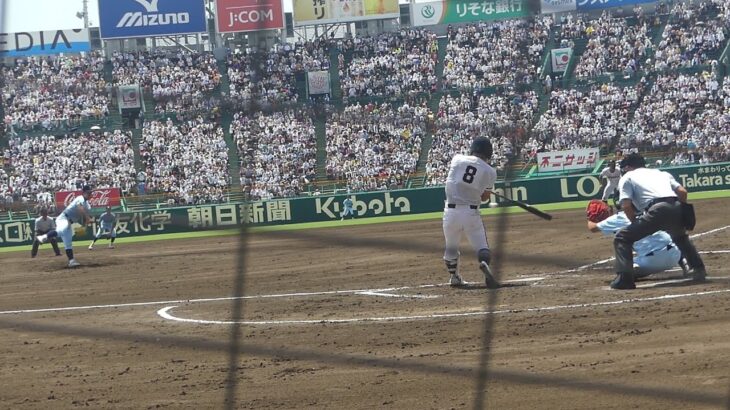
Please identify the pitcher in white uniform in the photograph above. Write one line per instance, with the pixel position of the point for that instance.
(470, 182)
(77, 211)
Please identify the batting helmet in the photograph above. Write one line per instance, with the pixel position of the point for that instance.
(482, 147)
(86, 188)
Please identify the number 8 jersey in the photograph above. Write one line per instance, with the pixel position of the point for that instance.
(468, 178)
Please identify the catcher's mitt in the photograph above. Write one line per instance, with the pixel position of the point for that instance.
(597, 211)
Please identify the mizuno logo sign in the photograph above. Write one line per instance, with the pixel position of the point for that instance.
(152, 17)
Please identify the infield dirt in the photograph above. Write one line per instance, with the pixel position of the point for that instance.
(561, 339)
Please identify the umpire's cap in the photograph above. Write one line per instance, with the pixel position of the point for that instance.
(633, 160)
(481, 146)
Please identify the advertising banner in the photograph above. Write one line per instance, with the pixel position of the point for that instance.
(557, 6)
(234, 16)
(100, 198)
(560, 58)
(129, 97)
(149, 18)
(28, 43)
(309, 12)
(586, 5)
(318, 82)
(461, 11)
(696, 178)
(579, 158)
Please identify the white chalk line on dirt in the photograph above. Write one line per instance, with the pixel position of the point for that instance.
(165, 312)
(297, 294)
(229, 298)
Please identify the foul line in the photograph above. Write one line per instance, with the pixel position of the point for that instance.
(165, 312)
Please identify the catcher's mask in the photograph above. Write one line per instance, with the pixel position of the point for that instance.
(482, 147)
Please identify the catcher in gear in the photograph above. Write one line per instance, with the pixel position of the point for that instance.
(469, 183)
(654, 253)
(43, 225)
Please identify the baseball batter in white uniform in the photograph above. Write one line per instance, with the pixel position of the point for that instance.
(469, 183)
(610, 175)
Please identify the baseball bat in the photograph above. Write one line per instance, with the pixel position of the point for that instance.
(529, 208)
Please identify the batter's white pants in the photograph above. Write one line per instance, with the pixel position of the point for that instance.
(461, 221)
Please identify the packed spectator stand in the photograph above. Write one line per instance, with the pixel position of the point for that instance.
(53, 92)
(493, 53)
(401, 108)
(278, 153)
(187, 162)
(398, 64)
(44, 165)
(375, 147)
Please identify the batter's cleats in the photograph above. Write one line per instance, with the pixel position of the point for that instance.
(91, 247)
(111, 246)
(623, 281)
(42, 238)
(456, 280)
(488, 277)
(72, 263)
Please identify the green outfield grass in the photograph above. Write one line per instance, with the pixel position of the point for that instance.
(365, 221)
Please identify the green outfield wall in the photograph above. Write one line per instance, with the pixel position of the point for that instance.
(370, 204)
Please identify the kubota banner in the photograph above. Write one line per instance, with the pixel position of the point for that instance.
(100, 198)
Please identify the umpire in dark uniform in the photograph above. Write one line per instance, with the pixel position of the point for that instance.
(660, 197)
(43, 225)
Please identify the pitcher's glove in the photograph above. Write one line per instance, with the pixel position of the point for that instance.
(597, 211)
(79, 230)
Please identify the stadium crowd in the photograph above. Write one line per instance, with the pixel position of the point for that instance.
(188, 161)
(53, 92)
(687, 113)
(270, 78)
(398, 64)
(178, 81)
(278, 153)
(373, 146)
(613, 45)
(491, 53)
(44, 165)
(691, 36)
(579, 119)
(459, 120)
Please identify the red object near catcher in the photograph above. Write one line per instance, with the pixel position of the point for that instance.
(597, 211)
